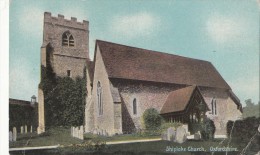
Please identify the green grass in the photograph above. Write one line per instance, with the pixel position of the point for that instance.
(54, 136)
(62, 136)
(124, 137)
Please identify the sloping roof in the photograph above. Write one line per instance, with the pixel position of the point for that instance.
(177, 100)
(20, 102)
(140, 64)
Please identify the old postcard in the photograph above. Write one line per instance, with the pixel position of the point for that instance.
(134, 77)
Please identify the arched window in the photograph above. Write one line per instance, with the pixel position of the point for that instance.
(67, 39)
(213, 107)
(134, 107)
(99, 97)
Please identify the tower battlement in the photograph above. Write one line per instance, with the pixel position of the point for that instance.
(60, 20)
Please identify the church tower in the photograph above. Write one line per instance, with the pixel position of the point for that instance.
(65, 49)
(65, 45)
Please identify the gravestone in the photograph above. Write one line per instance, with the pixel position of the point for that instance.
(164, 135)
(171, 133)
(185, 126)
(14, 134)
(106, 133)
(81, 136)
(77, 132)
(25, 129)
(197, 136)
(22, 130)
(181, 136)
(31, 129)
(10, 136)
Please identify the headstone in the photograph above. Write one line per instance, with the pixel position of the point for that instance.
(31, 129)
(81, 136)
(197, 136)
(171, 133)
(25, 129)
(22, 129)
(77, 132)
(95, 131)
(14, 134)
(185, 126)
(181, 136)
(106, 133)
(164, 136)
(10, 136)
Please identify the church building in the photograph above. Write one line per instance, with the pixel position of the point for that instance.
(124, 81)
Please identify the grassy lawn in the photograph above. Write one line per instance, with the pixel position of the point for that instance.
(62, 136)
(52, 137)
(72, 145)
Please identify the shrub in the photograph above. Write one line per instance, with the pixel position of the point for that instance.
(152, 119)
(208, 129)
(244, 129)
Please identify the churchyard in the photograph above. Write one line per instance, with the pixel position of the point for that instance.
(71, 143)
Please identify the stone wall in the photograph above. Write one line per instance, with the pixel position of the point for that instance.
(106, 120)
(64, 63)
(65, 58)
(147, 95)
(226, 108)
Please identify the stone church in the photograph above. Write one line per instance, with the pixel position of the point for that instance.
(124, 81)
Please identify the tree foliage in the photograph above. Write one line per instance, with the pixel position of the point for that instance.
(251, 109)
(208, 129)
(20, 115)
(64, 99)
(152, 119)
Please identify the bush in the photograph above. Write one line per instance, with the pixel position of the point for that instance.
(244, 129)
(20, 115)
(152, 119)
(208, 129)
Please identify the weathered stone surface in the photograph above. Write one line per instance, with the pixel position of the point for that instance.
(181, 136)
(95, 131)
(14, 134)
(197, 136)
(41, 117)
(185, 126)
(25, 129)
(171, 134)
(164, 136)
(81, 133)
(10, 136)
(22, 130)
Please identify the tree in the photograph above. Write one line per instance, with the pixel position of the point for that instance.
(249, 103)
(152, 119)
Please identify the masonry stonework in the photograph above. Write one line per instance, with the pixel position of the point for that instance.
(66, 59)
(147, 96)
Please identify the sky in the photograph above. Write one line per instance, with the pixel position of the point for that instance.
(224, 32)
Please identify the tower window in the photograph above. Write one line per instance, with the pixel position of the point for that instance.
(68, 73)
(213, 107)
(99, 97)
(134, 107)
(67, 39)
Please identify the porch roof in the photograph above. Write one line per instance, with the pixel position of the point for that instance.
(178, 100)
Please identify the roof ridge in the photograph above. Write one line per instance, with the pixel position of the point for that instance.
(149, 50)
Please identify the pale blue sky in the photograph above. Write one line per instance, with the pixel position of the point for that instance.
(225, 32)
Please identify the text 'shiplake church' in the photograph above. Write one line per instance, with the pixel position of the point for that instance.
(124, 81)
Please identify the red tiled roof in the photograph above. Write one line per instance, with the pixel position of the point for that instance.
(140, 64)
(177, 100)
